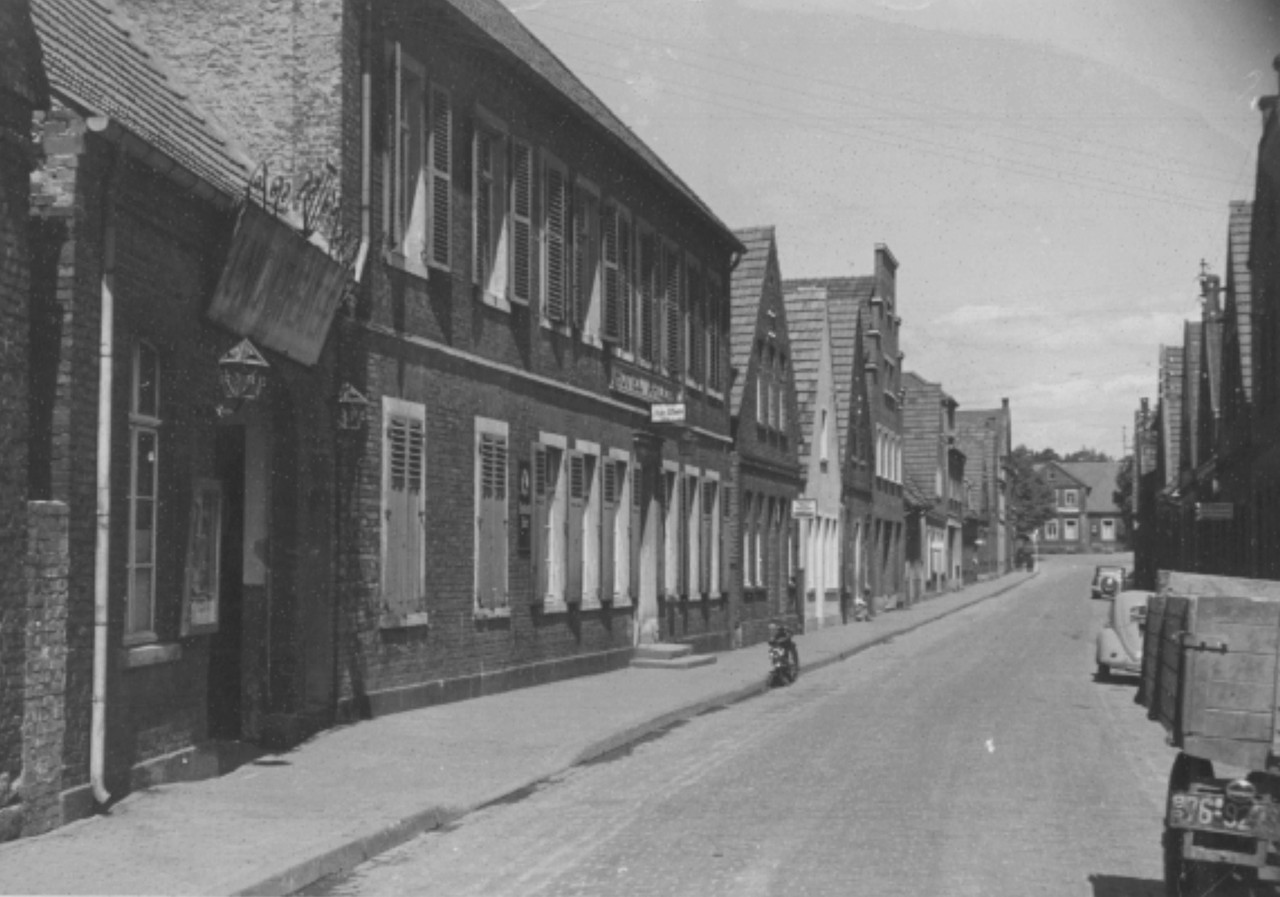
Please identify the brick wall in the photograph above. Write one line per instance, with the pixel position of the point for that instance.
(13, 434)
(43, 718)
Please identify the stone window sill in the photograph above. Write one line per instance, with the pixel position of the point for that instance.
(404, 621)
(150, 655)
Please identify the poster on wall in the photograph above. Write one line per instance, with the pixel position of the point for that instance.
(204, 549)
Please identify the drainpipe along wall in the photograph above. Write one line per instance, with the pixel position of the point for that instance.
(102, 541)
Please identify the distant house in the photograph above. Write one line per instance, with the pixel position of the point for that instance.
(1086, 517)
(934, 468)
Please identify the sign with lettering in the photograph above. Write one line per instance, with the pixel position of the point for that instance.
(642, 385)
(1214, 510)
(804, 508)
(667, 414)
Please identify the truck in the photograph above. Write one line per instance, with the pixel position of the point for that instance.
(1211, 677)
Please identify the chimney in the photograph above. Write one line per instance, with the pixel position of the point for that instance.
(886, 275)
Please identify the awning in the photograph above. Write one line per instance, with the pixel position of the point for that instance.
(277, 287)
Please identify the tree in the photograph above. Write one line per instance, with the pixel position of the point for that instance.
(1043, 455)
(1087, 454)
(1031, 499)
(1123, 496)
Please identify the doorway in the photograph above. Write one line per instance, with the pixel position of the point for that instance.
(647, 626)
(226, 646)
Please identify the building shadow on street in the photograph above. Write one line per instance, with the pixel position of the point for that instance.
(1125, 886)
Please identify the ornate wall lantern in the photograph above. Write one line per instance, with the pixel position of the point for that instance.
(352, 408)
(242, 373)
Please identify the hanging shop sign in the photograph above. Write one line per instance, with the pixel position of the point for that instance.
(277, 287)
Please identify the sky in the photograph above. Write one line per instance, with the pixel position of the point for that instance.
(1048, 173)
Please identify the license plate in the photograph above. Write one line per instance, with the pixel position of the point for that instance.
(1215, 812)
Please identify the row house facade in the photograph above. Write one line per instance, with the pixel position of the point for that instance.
(935, 479)
(985, 437)
(831, 541)
(1219, 477)
(536, 282)
(867, 365)
(766, 432)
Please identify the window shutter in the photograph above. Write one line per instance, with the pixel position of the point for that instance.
(708, 517)
(693, 326)
(626, 283)
(441, 134)
(713, 333)
(648, 285)
(521, 222)
(581, 256)
(557, 209)
(404, 586)
(482, 215)
(639, 513)
(608, 519)
(541, 522)
(612, 283)
(491, 567)
(672, 311)
(574, 535)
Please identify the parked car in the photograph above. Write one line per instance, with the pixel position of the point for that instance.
(1108, 580)
(1120, 641)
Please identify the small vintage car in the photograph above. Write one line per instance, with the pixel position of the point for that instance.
(1108, 580)
(1120, 641)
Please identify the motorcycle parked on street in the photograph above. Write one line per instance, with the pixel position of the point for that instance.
(784, 657)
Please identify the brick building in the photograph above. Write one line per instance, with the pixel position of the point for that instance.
(934, 468)
(24, 747)
(536, 281)
(199, 595)
(864, 333)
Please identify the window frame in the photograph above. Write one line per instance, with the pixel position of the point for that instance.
(142, 423)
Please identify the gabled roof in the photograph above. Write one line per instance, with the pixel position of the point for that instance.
(745, 290)
(809, 329)
(1240, 292)
(1100, 478)
(1054, 473)
(93, 60)
(500, 24)
(21, 71)
(845, 298)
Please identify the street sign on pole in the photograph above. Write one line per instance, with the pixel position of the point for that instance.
(804, 508)
(667, 414)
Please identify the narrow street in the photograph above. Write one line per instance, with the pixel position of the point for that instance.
(975, 756)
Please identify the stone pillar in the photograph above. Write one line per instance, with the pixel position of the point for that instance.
(43, 718)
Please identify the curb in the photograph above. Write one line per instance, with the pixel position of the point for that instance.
(347, 856)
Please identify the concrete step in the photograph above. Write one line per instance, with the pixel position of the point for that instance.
(683, 662)
(662, 651)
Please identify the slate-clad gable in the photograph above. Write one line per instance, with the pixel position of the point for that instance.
(93, 60)
(744, 303)
(809, 328)
(847, 297)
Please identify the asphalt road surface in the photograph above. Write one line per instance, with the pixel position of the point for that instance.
(974, 756)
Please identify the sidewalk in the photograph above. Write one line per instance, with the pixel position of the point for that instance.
(286, 820)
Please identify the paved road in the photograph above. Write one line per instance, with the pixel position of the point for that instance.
(975, 756)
